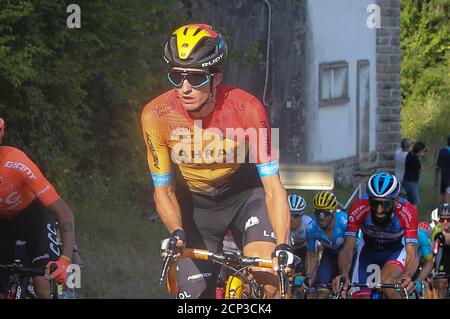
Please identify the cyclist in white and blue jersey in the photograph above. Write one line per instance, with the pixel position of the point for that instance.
(299, 223)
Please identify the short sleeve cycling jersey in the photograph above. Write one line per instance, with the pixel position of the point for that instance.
(315, 233)
(403, 224)
(424, 243)
(298, 237)
(209, 154)
(21, 182)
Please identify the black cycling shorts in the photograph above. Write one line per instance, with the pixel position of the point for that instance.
(205, 222)
(35, 225)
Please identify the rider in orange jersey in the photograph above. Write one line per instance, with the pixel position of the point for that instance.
(28, 206)
(211, 141)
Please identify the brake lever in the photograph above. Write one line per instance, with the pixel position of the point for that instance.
(340, 287)
(168, 259)
(282, 260)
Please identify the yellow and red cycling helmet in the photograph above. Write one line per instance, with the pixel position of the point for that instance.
(195, 46)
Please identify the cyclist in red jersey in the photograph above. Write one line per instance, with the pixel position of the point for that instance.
(389, 227)
(28, 207)
(192, 143)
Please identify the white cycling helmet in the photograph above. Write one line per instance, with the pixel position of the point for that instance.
(434, 215)
(434, 218)
(297, 204)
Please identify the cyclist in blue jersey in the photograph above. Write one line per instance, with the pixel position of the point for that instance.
(327, 227)
(425, 253)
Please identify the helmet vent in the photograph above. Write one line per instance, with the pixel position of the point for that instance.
(197, 31)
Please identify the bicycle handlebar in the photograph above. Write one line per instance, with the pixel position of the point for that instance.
(20, 270)
(374, 286)
(226, 257)
(382, 286)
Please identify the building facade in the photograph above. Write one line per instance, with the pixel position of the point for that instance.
(328, 72)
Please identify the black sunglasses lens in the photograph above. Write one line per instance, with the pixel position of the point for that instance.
(386, 205)
(176, 78)
(197, 79)
(322, 213)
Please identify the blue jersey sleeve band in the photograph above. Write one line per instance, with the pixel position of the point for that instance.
(161, 179)
(268, 169)
(351, 234)
(411, 241)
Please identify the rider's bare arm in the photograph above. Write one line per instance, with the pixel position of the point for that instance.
(412, 260)
(159, 162)
(311, 265)
(65, 219)
(346, 255)
(167, 207)
(277, 207)
(427, 267)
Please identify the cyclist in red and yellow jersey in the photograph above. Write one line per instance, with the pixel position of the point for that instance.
(211, 141)
(27, 200)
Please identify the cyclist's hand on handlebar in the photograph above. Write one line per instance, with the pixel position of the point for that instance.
(291, 257)
(180, 238)
(60, 273)
(337, 282)
(407, 283)
(308, 282)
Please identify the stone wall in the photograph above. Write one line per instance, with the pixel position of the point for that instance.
(388, 82)
(344, 170)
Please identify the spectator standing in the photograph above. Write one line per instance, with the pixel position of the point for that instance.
(443, 166)
(412, 172)
(400, 157)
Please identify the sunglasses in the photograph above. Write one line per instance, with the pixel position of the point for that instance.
(195, 79)
(295, 216)
(385, 204)
(443, 219)
(322, 213)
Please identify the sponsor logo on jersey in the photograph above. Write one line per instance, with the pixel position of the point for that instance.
(152, 150)
(21, 167)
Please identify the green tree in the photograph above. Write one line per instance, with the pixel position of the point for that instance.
(72, 97)
(425, 33)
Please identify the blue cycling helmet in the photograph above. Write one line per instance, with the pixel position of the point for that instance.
(383, 185)
(297, 204)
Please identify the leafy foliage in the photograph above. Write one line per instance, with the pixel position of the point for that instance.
(425, 32)
(72, 98)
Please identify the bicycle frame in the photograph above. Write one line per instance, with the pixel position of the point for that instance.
(18, 281)
(237, 284)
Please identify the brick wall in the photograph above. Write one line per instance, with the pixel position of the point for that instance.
(388, 82)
